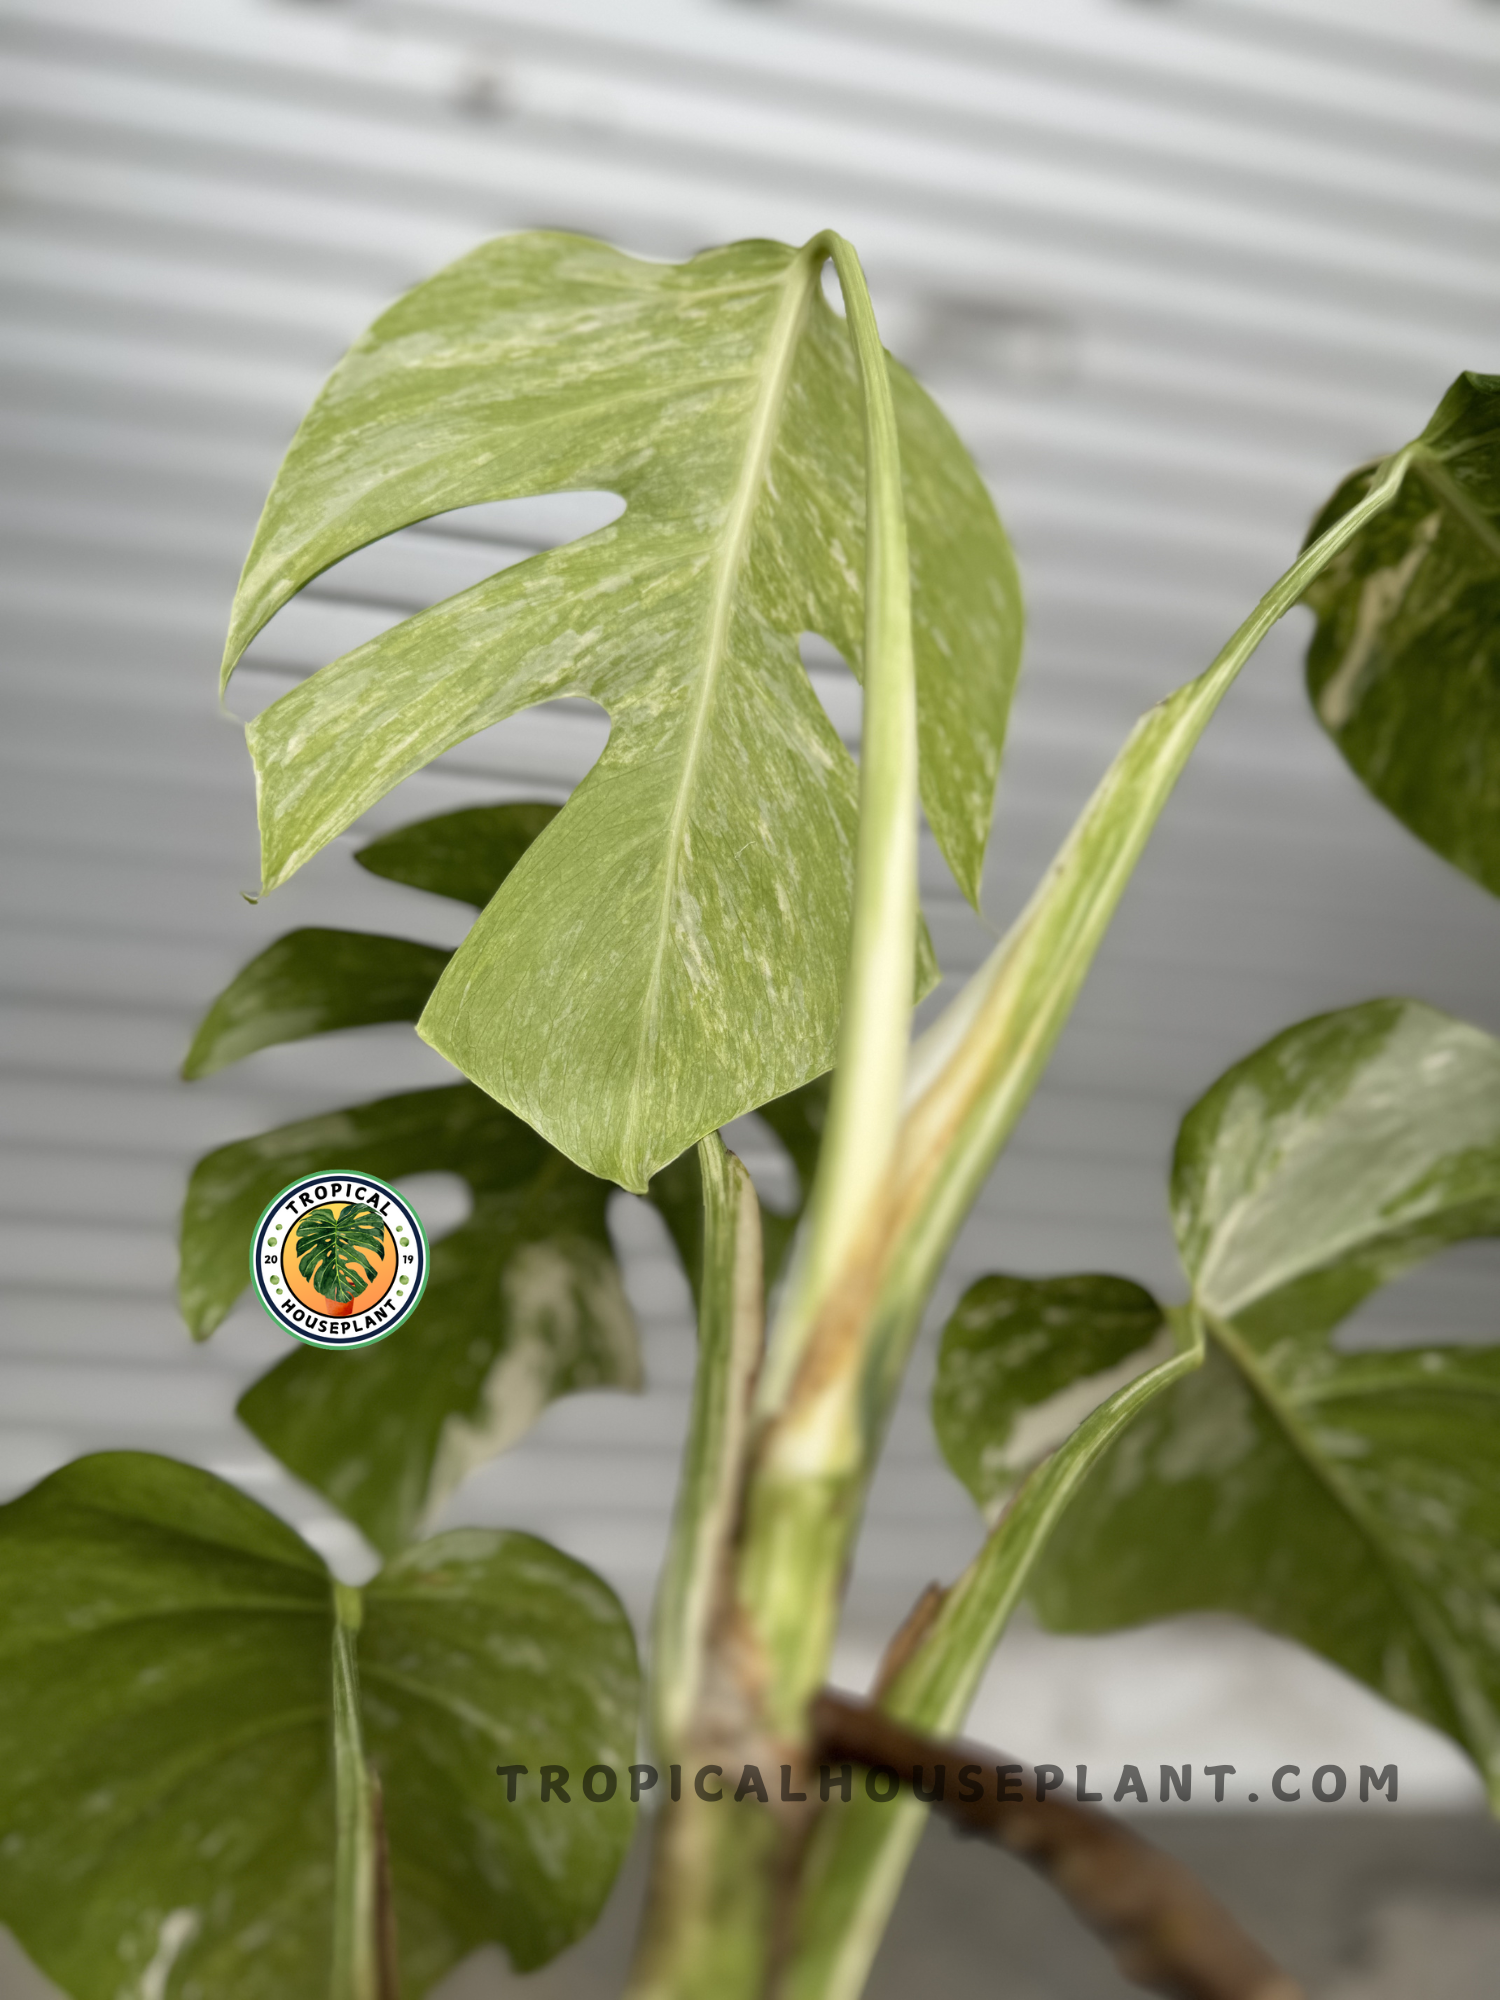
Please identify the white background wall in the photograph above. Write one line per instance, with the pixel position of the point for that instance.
(1172, 269)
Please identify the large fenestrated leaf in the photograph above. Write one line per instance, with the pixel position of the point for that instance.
(1349, 1500)
(1404, 669)
(670, 951)
(523, 1304)
(166, 1781)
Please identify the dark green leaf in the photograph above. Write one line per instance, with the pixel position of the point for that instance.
(679, 935)
(1351, 1501)
(523, 1305)
(329, 1246)
(465, 854)
(311, 982)
(455, 1130)
(523, 1302)
(1404, 669)
(166, 1739)
(1022, 1363)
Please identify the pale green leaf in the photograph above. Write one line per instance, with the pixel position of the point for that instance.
(166, 1740)
(679, 934)
(1404, 668)
(1349, 1500)
(313, 982)
(453, 1130)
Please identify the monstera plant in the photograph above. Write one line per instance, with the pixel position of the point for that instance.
(226, 1772)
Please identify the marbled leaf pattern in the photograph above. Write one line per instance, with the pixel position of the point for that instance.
(670, 952)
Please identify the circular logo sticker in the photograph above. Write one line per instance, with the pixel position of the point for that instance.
(339, 1259)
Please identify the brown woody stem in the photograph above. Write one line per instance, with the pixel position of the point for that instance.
(1166, 1931)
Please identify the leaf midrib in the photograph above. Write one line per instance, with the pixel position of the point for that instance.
(1451, 1669)
(1446, 487)
(780, 349)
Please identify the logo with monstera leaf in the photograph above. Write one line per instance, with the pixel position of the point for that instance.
(339, 1259)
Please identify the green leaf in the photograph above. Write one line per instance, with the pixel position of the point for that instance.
(1024, 1360)
(1404, 668)
(329, 1249)
(679, 934)
(455, 1129)
(523, 1303)
(311, 982)
(1351, 1501)
(166, 1739)
(465, 854)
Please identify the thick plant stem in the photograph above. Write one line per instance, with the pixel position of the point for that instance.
(363, 1958)
(736, 1623)
(811, 1451)
(715, 1868)
(857, 1857)
(730, 1338)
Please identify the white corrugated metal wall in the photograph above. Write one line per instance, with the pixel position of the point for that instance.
(1171, 269)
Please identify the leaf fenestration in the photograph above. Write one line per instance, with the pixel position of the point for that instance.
(1404, 668)
(166, 1739)
(679, 932)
